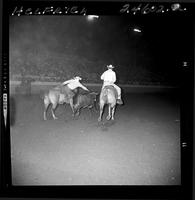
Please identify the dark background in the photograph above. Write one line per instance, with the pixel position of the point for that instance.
(59, 47)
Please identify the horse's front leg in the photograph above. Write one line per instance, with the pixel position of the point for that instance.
(46, 104)
(109, 113)
(72, 107)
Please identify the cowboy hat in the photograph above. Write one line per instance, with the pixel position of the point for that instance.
(77, 78)
(110, 66)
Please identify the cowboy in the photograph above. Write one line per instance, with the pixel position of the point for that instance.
(74, 83)
(109, 78)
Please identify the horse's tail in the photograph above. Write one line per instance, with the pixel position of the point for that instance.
(110, 88)
(105, 93)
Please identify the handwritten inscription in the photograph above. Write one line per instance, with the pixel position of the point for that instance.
(148, 8)
(49, 10)
(141, 8)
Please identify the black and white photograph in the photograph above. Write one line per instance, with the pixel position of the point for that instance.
(97, 98)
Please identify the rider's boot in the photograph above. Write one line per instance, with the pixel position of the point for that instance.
(119, 100)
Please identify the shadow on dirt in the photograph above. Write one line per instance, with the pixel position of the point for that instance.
(104, 126)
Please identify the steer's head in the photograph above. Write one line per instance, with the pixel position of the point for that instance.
(94, 95)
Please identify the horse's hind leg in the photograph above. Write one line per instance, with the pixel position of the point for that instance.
(109, 113)
(53, 110)
(113, 111)
(101, 112)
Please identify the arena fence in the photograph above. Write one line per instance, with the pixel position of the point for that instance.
(37, 87)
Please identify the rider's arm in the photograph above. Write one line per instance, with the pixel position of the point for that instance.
(102, 76)
(82, 86)
(66, 82)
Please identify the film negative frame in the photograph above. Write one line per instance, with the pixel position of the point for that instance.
(19, 8)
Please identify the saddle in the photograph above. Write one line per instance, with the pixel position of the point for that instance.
(65, 93)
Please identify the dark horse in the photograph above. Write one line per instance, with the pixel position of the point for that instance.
(58, 95)
(108, 96)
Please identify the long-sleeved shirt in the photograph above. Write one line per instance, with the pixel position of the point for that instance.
(73, 84)
(109, 77)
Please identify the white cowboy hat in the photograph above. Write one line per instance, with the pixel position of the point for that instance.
(77, 78)
(110, 66)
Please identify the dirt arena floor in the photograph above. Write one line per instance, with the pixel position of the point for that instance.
(140, 147)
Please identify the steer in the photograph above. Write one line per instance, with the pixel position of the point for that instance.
(86, 100)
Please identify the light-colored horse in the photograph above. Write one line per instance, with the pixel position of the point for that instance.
(108, 96)
(58, 95)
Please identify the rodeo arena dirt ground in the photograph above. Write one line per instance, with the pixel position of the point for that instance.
(140, 147)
